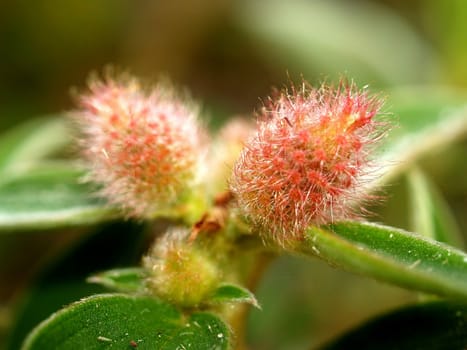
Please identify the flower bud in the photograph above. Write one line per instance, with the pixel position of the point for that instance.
(307, 161)
(179, 271)
(142, 146)
(225, 149)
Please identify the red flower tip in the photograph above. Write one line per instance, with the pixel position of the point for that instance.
(141, 145)
(308, 159)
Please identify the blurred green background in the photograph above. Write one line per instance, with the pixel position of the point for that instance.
(228, 54)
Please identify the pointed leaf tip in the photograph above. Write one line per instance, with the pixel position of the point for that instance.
(230, 293)
(127, 280)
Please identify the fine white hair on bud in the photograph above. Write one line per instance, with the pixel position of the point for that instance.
(141, 145)
(306, 163)
(180, 271)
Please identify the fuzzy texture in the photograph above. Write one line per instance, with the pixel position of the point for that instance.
(307, 161)
(224, 151)
(141, 145)
(179, 271)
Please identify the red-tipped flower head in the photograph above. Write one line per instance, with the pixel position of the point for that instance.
(306, 163)
(142, 146)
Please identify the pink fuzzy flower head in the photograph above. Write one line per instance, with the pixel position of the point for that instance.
(142, 146)
(306, 163)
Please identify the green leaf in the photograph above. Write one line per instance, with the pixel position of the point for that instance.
(123, 322)
(430, 213)
(230, 293)
(428, 120)
(432, 326)
(50, 198)
(32, 141)
(416, 107)
(390, 255)
(128, 280)
(54, 196)
(62, 279)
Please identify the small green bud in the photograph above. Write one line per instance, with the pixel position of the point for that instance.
(179, 271)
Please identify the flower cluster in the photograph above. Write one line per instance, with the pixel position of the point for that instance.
(305, 163)
(307, 160)
(142, 146)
